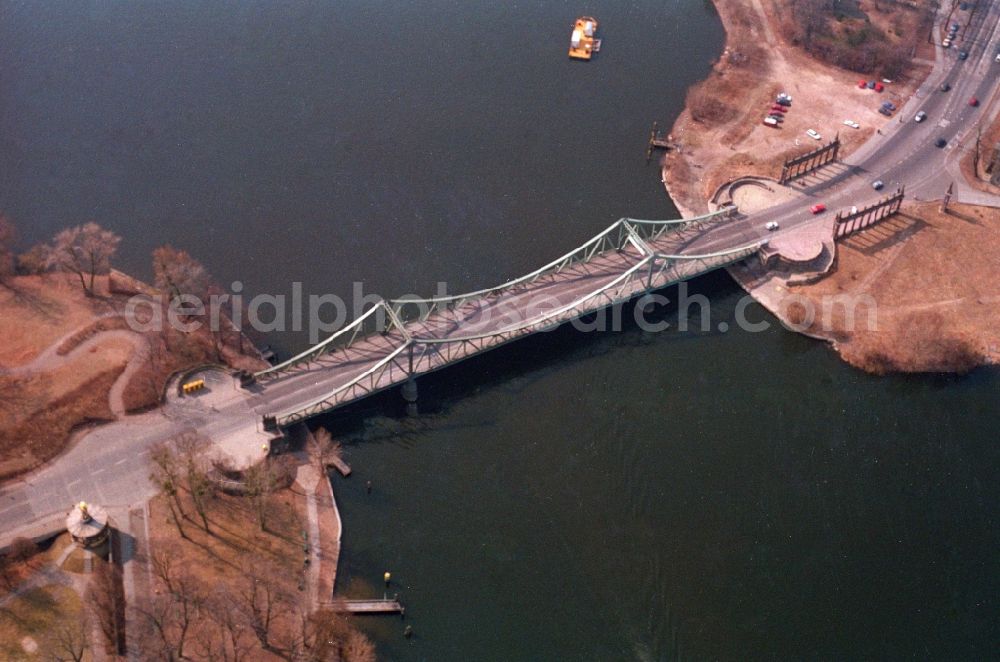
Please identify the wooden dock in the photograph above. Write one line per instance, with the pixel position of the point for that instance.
(657, 141)
(340, 465)
(377, 606)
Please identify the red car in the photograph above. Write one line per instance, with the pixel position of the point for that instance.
(818, 208)
(862, 84)
(973, 102)
(779, 109)
(879, 87)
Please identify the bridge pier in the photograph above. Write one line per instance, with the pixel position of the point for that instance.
(409, 390)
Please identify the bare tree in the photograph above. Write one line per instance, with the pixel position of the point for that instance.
(176, 272)
(326, 449)
(228, 637)
(260, 481)
(85, 250)
(68, 640)
(37, 260)
(260, 602)
(326, 635)
(166, 475)
(192, 447)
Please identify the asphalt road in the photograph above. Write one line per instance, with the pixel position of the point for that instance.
(905, 154)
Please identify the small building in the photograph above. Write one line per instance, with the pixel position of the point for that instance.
(88, 525)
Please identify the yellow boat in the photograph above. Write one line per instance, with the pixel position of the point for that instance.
(583, 44)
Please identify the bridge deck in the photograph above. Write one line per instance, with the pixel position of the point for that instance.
(451, 334)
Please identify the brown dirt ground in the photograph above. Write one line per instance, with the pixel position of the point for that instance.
(720, 132)
(38, 310)
(237, 544)
(39, 429)
(936, 301)
(40, 408)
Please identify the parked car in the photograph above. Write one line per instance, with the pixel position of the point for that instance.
(771, 225)
(777, 118)
(813, 134)
(852, 124)
(954, 27)
(783, 102)
(879, 87)
(818, 208)
(771, 122)
(871, 85)
(878, 184)
(940, 142)
(973, 102)
(945, 86)
(998, 57)
(862, 84)
(888, 105)
(920, 117)
(963, 55)
(779, 109)
(946, 43)
(885, 111)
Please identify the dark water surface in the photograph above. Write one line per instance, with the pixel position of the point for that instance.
(574, 496)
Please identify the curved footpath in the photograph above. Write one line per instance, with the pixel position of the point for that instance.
(50, 359)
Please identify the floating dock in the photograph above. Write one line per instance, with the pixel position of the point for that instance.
(657, 141)
(383, 606)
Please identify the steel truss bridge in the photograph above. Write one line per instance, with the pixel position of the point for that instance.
(397, 340)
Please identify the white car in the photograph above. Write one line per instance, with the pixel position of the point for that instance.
(813, 134)
(920, 117)
(852, 124)
(771, 225)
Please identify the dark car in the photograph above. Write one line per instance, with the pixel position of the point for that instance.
(963, 55)
(945, 87)
(888, 105)
(940, 142)
(885, 111)
(973, 102)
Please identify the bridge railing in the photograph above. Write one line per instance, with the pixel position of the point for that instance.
(614, 237)
(365, 383)
(380, 318)
(385, 317)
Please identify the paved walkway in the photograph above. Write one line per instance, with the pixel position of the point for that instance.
(324, 528)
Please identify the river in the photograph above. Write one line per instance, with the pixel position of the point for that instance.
(574, 496)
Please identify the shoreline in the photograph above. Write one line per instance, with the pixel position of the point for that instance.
(724, 144)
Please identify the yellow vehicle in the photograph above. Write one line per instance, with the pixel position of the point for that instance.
(192, 386)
